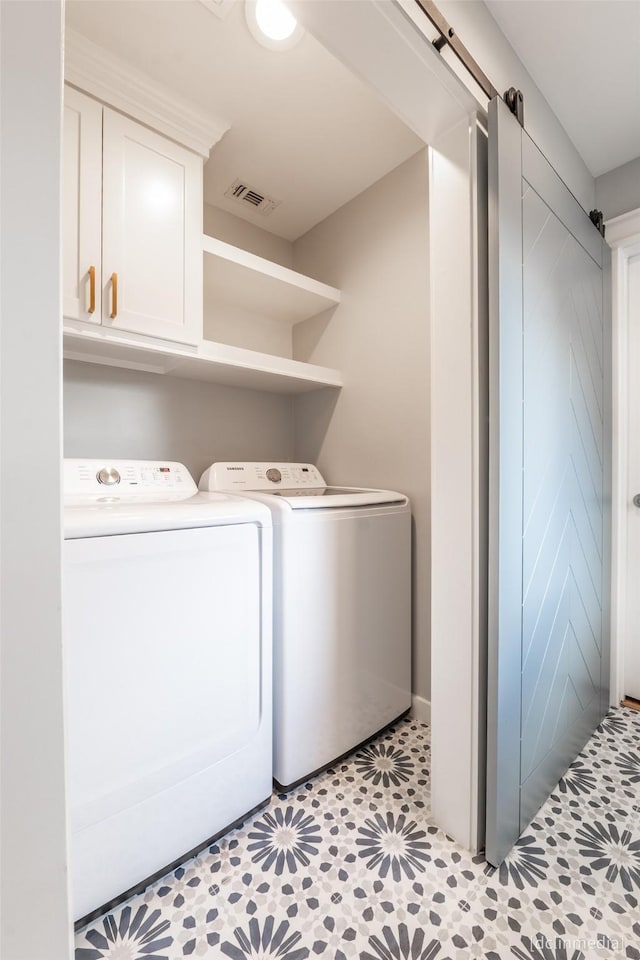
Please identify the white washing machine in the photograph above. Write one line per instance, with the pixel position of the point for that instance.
(167, 630)
(342, 605)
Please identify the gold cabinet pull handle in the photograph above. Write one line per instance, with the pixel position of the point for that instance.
(114, 296)
(92, 290)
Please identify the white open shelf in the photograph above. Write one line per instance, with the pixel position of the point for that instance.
(212, 362)
(234, 276)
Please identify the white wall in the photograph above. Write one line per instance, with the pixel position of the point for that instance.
(618, 191)
(35, 920)
(376, 432)
(479, 32)
(110, 412)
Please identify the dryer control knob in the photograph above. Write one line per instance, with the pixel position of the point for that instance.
(274, 475)
(108, 476)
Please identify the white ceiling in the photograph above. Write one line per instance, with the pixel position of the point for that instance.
(584, 55)
(303, 129)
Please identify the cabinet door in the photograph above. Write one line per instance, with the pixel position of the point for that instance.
(152, 233)
(81, 216)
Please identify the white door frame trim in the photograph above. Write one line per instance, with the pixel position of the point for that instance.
(623, 236)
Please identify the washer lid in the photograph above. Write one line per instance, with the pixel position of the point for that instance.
(329, 498)
(300, 485)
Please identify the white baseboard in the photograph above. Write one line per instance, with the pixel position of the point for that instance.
(420, 709)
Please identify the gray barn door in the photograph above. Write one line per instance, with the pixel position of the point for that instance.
(550, 439)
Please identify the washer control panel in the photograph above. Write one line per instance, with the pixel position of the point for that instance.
(262, 476)
(127, 479)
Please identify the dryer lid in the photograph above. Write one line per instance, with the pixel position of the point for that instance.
(109, 497)
(112, 518)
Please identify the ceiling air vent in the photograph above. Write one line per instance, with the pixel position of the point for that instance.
(251, 197)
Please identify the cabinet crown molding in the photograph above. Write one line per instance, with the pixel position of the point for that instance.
(107, 77)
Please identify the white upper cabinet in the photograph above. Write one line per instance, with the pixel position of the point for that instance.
(137, 197)
(81, 208)
(151, 233)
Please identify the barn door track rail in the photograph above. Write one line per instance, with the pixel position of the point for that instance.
(512, 97)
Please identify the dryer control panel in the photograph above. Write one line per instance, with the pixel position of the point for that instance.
(262, 476)
(126, 479)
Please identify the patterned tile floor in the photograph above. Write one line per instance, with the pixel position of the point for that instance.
(350, 866)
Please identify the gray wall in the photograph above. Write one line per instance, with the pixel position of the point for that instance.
(224, 226)
(110, 412)
(376, 432)
(232, 323)
(618, 191)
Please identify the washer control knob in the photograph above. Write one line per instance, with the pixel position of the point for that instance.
(108, 475)
(274, 475)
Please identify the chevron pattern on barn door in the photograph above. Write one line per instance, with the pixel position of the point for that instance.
(562, 545)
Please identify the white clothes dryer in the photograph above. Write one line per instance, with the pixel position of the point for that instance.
(167, 633)
(342, 610)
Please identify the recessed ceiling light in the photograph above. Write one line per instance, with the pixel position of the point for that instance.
(272, 24)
